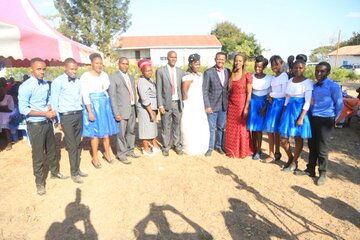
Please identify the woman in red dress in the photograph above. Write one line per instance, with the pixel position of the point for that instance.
(237, 137)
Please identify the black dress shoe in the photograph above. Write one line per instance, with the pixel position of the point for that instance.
(82, 174)
(208, 153)
(306, 172)
(59, 176)
(165, 153)
(132, 155)
(40, 189)
(219, 150)
(179, 152)
(77, 179)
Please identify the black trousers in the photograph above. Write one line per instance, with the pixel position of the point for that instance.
(321, 128)
(42, 141)
(72, 126)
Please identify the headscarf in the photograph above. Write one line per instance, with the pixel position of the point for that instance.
(143, 63)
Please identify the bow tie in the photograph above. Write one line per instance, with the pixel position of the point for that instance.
(319, 84)
(40, 81)
(71, 79)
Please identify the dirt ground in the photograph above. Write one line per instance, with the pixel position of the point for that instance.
(184, 197)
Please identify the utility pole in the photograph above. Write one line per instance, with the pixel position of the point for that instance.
(337, 49)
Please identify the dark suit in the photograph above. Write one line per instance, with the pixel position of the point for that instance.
(216, 97)
(121, 105)
(170, 121)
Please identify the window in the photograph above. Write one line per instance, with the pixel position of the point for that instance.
(163, 58)
(137, 55)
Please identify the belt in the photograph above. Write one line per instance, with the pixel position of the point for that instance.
(38, 123)
(175, 101)
(70, 113)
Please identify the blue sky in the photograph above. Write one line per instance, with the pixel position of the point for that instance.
(282, 27)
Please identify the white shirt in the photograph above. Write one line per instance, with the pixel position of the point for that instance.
(221, 74)
(175, 96)
(261, 86)
(93, 84)
(278, 85)
(302, 89)
(129, 86)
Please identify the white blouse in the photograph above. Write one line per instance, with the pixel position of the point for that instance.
(278, 85)
(93, 84)
(261, 86)
(302, 89)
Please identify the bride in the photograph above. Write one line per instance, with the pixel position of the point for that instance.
(194, 123)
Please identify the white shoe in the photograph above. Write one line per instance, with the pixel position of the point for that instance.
(147, 154)
(156, 150)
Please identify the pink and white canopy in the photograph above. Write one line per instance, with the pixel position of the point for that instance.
(24, 34)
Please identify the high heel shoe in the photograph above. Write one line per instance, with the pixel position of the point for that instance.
(292, 167)
(277, 156)
(109, 160)
(147, 153)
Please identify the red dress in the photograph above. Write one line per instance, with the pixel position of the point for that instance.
(237, 137)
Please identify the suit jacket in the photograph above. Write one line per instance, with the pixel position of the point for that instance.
(214, 93)
(119, 95)
(163, 87)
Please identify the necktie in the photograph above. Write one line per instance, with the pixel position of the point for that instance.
(40, 81)
(172, 80)
(128, 85)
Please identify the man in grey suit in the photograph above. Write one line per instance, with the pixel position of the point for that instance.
(215, 93)
(123, 102)
(168, 87)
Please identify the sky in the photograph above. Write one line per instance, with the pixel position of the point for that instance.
(282, 27)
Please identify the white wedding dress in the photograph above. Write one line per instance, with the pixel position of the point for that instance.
(194, 123)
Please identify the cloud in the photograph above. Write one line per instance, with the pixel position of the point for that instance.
(353, 14)
(218, 16)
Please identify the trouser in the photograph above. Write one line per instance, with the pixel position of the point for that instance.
(216, 125)
(170, 123)
(125, 139)
(42, 142)
(321, 128)
(72, 126)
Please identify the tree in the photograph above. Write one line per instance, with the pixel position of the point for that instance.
(93, 22)
(354, 40)
(234, 40)
(321, 53)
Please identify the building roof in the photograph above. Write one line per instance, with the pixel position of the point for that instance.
(347, 51)
(137, 42)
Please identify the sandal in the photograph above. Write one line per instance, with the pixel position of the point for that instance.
(96, 165)
(109, 160)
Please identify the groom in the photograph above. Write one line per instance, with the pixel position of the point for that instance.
(168, 88)
(215, 93)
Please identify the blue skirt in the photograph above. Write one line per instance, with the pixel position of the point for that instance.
(287, 127)
(104, 124)
(273, 115)
(255, 120)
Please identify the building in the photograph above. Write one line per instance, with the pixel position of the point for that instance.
(157, 47)
(349, 55)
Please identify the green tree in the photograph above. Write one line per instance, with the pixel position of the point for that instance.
(234, 40)
(93, 22)
(354, 40)
(321, 53)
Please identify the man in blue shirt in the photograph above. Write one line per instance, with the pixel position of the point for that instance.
(66, 100)
(33, 103)
(327, 106)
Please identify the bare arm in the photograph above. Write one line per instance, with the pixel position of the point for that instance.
(248, 98)
(185, 89)
(91, 114)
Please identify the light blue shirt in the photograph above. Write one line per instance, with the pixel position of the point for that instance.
(328, 100)
(65, 95)
(33, 95)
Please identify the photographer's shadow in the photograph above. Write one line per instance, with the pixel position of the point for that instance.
(74, 212)
(164, 232)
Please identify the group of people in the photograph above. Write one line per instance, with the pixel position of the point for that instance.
(223, 110)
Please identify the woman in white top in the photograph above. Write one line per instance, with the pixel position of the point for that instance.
(274, 107)
(6, 109)
(98, 119)
(295, 121)
(260, 90)
(194, 124)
